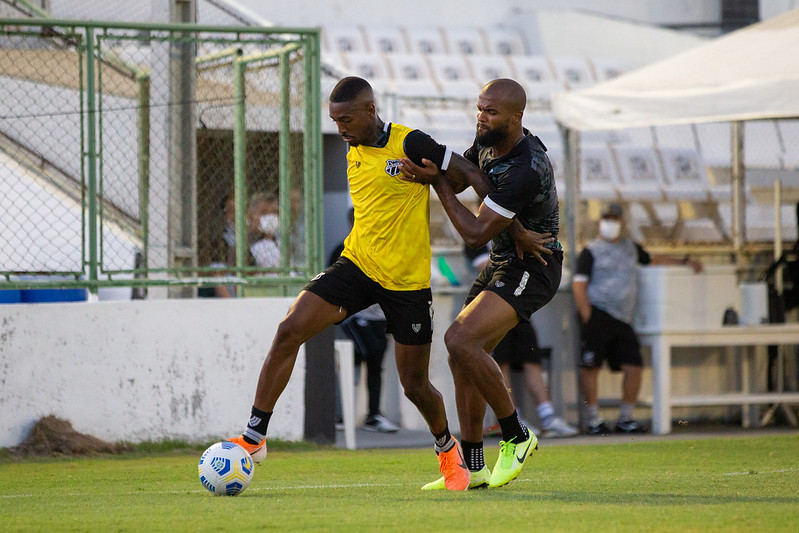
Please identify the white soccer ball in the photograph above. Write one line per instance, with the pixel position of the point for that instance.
(225, 469)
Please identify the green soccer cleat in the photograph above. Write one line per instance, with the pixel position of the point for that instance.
(479, 480)
(511, 460)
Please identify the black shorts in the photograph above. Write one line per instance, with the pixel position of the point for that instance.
(525, 284)
(409, 314)
(519, 346)
(605, 338)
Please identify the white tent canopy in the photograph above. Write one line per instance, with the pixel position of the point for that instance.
(749, 74)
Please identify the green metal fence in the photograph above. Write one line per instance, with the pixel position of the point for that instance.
(144, 155)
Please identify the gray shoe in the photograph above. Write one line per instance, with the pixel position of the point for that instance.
(559, 429)
(380, 423)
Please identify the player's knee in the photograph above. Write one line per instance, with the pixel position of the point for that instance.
(288, 334)
(456, 341)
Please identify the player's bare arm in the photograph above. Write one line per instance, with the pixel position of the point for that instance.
(460, 174)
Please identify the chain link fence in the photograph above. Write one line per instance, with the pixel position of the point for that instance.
(136, 155)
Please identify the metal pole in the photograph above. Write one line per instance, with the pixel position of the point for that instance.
(143, 90)
(284, 170)
(312, 141)
(91, 155)
(239, 179)
(738, 214)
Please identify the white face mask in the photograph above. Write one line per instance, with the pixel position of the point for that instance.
(609, 229)
(269, 224)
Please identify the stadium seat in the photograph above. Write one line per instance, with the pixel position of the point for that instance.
(385, 40)
(464, 40)
(685, 175)
(372, 67)
(505, 41)
(412, 76)
(640, 177)
(598, 174)
(453, 76)
(343, 39)
(425, 40)
(488, 67)
(573, 72)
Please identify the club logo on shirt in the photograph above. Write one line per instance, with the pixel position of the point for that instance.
(393, 167)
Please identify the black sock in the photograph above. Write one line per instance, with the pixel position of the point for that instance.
(512, 427)
(256, 427)
(473, 453)
(444, 440)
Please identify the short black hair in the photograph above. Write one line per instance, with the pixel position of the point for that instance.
(348, 89)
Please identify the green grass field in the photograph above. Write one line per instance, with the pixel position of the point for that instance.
(729, 484)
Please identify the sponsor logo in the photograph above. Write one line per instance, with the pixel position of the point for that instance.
(393, 167)
(588, 357)
(499, 284)
(254, 421)
(319, 275)
(522, 284)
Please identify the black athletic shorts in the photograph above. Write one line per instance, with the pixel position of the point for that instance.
(409, 314)
(525, 284)
(519, 346)
(605, 338)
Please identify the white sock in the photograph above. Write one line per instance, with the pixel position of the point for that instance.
(626, 411)
(545, 412)
(593, 414)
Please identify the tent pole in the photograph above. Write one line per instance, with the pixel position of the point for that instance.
(738, 181)
(571, 177)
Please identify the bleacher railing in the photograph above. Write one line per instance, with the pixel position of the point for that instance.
(129, 153)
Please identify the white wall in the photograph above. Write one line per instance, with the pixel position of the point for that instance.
(142, 370)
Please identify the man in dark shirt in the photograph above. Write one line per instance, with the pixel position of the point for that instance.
(511, 287)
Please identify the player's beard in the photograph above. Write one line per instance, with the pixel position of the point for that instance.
(493, 136)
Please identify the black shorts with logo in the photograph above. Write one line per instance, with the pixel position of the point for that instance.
(525, 284)
(605, 338)
(409, 314)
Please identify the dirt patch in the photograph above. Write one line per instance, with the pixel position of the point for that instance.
(52, 436)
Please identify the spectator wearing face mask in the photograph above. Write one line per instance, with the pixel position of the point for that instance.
(605, 290)
(263, 227)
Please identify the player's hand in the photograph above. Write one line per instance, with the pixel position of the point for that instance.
(530, 242)
(426, 175)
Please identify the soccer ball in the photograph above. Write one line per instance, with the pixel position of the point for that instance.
(225, 469)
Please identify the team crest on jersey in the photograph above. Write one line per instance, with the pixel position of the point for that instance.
(393, 167)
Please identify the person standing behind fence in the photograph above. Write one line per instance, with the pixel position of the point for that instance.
(605, 291)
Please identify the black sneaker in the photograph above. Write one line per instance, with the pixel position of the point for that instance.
(599, 429)
(629, 426)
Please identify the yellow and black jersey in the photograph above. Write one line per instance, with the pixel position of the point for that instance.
(390, 240)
